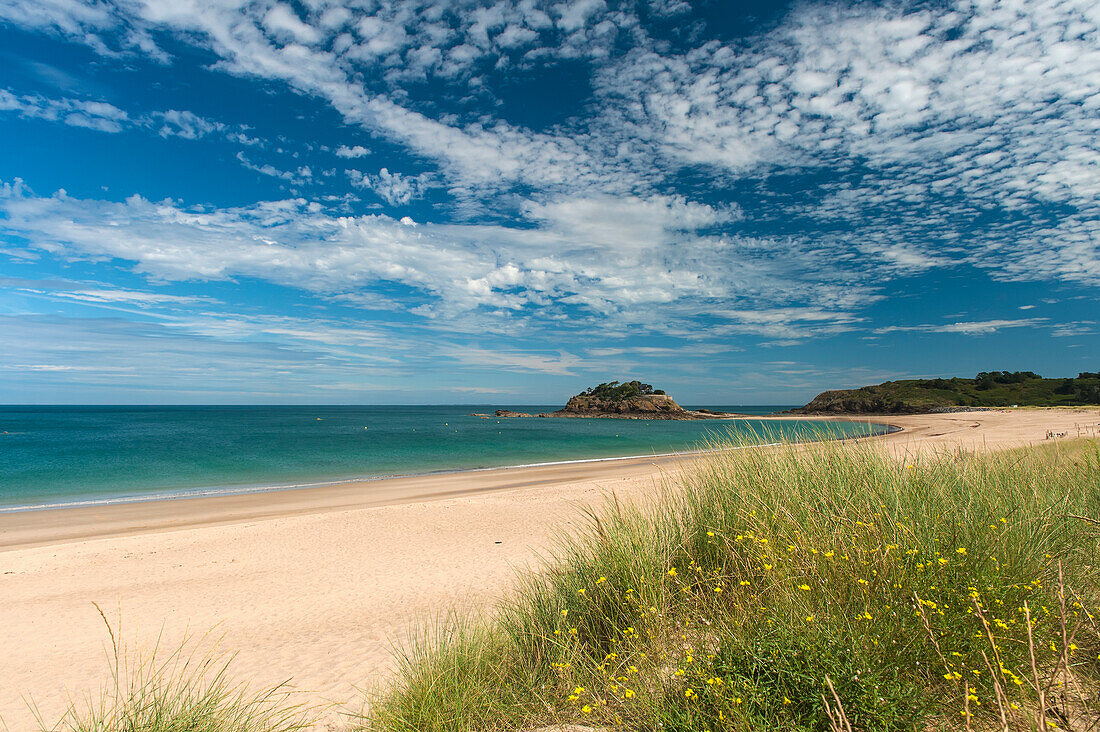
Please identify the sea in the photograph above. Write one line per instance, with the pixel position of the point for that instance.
(57, 456)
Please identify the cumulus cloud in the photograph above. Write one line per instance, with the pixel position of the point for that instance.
(181, 123)
(356, 151)
(282, 22)
(394, 188)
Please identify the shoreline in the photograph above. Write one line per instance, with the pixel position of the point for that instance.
(36, 528)
(20, 529)
(201, 492)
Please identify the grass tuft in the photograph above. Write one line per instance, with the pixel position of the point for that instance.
(179, 692)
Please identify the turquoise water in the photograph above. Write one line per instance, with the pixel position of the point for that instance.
(65, 455)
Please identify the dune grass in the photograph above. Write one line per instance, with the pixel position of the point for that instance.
(799, 588)
(179, 691)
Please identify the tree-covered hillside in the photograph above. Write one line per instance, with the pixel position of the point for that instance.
(986, 389)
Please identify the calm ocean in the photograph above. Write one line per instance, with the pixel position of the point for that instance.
(65, 455)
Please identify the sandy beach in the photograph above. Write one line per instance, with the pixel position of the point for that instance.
(317, 585)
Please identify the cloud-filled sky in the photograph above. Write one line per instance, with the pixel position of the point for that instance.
(437, 201)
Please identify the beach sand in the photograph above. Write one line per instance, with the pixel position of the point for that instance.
(317, 585)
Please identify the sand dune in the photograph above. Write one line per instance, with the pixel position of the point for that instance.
(318, 584)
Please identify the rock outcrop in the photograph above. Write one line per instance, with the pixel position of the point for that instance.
(628, 400)
(650, 406)
(510, 413)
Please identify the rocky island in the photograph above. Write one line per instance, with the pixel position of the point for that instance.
(629, 400)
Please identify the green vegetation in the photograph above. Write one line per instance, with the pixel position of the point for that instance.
(987, 389)
(800, 588)
(175, 692)
(614, 391)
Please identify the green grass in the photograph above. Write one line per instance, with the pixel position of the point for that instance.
(768, 575)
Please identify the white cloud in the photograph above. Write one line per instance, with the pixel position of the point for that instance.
(627, 223)
(93, 115)
(560, 364)
(575, 14)
(785, 325)
(394, 188)
(119, 296)
(977, 327)
(357, 151)
(984, 104)
(296, 177)
(1079, 328)
(283, 22)
(105, 117)
(160, 356)
(531, 275)
(272, 44)
(948, 117)
(181, 123)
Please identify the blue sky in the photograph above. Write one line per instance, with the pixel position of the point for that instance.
(428, 201)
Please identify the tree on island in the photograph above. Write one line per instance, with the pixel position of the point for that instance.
(614, 391)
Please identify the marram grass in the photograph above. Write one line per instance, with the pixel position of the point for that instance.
(176, 691)
(801, 588)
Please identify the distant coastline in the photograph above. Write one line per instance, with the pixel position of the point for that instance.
(986, 390)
